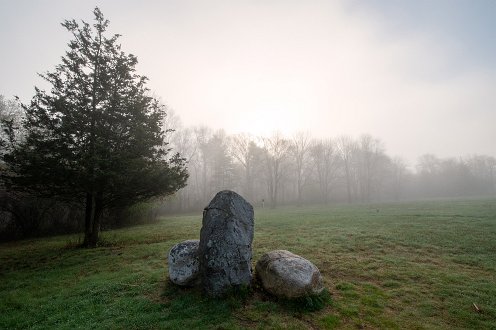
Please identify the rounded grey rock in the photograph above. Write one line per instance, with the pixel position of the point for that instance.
(184, 266)
(288, 275)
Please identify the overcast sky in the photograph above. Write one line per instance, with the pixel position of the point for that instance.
(419, 75)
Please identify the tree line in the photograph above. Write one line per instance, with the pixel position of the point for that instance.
(300, 169)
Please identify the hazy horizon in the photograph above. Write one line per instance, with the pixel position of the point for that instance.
(418, 75)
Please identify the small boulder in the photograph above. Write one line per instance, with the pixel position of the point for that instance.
(288, 275)
(225, 243)
(184, 266)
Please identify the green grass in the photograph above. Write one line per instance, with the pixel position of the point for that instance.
(412, 265)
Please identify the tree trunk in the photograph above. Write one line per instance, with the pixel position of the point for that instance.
(92, 220)
(348, 184)
(248, 184)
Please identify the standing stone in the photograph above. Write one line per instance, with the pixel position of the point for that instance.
(225, 243)
(184, 266)
(288, 275)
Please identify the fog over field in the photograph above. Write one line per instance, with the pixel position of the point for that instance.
(336, 160)
(418, 75)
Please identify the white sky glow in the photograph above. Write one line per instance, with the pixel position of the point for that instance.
(327, 67)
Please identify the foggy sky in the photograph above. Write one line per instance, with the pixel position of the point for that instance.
(419, 75)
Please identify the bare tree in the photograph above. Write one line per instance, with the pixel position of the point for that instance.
(491, 164)
(428, 169)
(203, 134)
(300, 149)
(184, 142)
(398, 173)
(276, 152)
(241, 147)
(482, 168)
(222, 170)
(171, 124)
(214, 168)
(11, 116)
(347, 147)
(325, 160)
(371, 153)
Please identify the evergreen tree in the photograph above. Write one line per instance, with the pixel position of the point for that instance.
(96, 137)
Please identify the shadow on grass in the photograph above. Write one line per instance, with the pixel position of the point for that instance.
(190, 303)
(306, 304)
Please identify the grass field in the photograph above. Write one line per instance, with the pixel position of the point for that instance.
(406, 266)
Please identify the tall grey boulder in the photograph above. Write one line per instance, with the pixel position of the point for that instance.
(226, 238)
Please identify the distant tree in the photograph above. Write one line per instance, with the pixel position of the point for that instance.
(96, 137)
(300, 148)
(371, 157)
(347, 148)
(220, 163)
(483, 169)
(10, 119)
(398, 173)
(428, 175)
(183, 141)
(171, 124)
(325, 160)
(9, 109)
(446, 177)
(203, 134)
(276, 150)
(242, 148)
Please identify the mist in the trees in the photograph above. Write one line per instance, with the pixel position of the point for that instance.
(347, 106)
(301, 169)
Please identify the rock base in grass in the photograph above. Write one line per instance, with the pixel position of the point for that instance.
(184, 264)
(288, 275)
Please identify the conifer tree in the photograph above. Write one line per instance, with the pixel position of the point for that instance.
(95, 138)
